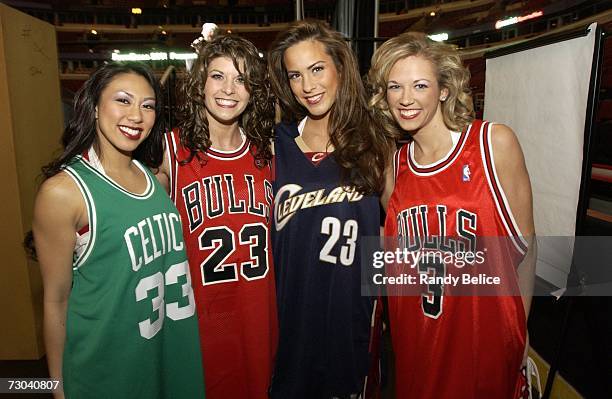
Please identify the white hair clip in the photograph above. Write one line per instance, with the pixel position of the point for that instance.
(208, 29)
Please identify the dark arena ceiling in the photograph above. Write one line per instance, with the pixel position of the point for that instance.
(89, 32)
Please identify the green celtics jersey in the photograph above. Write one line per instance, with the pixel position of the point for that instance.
(131, 329)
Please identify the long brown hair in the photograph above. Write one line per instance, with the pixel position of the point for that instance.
(360, 149)
(257, 119)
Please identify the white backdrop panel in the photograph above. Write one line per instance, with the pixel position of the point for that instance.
(542, 95)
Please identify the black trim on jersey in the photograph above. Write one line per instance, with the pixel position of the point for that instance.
(448, 160)
(504, 210)
(229, 155)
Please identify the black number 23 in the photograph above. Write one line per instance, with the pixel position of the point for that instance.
(223, 241)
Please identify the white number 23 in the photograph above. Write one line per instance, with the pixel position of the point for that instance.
(332, 227)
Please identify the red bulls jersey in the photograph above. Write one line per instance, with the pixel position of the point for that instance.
(455, 346)
(224, 201)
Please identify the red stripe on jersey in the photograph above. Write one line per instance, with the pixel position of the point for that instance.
(449, 159)
(229, 154)
(602, 166)
(500, 198)
(315, 157)
(83, 230)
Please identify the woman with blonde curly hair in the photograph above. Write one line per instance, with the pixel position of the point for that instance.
(458, 181)
(217, 169)
(329, 169)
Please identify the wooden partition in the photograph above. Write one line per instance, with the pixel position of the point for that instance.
(30, 127)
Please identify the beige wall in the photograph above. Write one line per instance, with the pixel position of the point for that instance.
(30, 127)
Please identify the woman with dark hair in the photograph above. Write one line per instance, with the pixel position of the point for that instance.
(119, 314)
(329, 169)
(461, 190)
(217, 169)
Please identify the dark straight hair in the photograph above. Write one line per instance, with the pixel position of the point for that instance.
(80, 132)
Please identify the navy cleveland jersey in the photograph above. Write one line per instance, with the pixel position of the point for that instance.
(324, 322)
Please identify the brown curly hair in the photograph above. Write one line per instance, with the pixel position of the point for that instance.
(257, 119)
(457, 109)
(360, 149)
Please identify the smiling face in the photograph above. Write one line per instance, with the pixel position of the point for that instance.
(125, 113)
(225, 94)
(413, 93)
(313, 77)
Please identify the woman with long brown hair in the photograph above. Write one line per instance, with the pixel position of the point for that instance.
(217, 168)
(329, 169)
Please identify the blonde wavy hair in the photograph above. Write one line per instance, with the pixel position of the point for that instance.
(457, 109)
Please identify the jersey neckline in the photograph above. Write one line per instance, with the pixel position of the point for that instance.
(144, 195)
(303, 148)
(230, 154)
(441, 164)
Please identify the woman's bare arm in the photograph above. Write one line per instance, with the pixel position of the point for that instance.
(59, 211)
(514, 179)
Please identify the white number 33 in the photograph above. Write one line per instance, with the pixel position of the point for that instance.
(149, 328)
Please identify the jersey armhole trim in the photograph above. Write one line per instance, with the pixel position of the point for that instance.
(91, 216)
(174, 166)
(396, 162)
(499, 197)
(172, 159)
